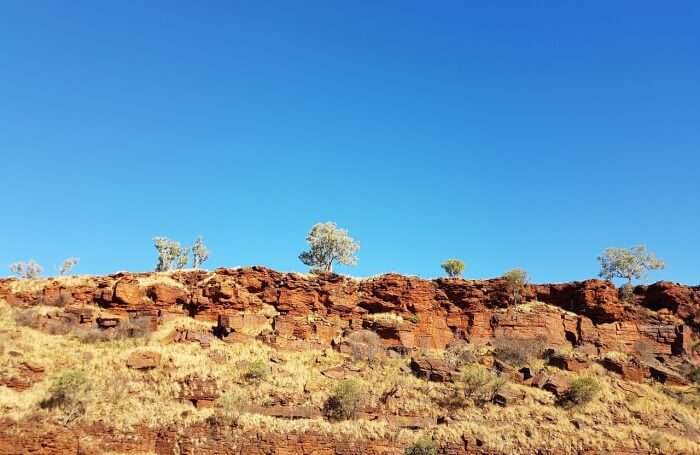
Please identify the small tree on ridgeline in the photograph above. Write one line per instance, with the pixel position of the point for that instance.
(171, 255)
(200, 253)
(329, 244)
(29, 270)
(68, 265)
(516, 280)
(629, 264)
(453, 267)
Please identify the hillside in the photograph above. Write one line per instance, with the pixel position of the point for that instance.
(253, 361)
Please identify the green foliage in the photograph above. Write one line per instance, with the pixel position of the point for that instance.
(453, 267)
(171, 255)
(68, 265)
(68, 393)
(515, 282)
(583, 389)
(480, 384)
(200, 253)
(694, 375)
(329, 244)
(29, 270)
(257, 371)
(421, 447)
(628, 263)
(345, 401)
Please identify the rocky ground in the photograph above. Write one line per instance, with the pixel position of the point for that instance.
(246, 361)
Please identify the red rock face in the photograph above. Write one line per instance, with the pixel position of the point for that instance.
(299, 312)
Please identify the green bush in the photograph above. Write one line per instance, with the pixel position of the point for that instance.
(480, 384)
(345, 401)
(257, 371)
(583, 389)
(453, 267)
(68, 393)
(422, 447)
(694, 375)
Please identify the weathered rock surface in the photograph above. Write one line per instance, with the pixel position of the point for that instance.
(276, 307)
(143, 360)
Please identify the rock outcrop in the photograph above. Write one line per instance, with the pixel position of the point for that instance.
(296, 311)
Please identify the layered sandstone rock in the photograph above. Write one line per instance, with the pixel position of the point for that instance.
(295, 311)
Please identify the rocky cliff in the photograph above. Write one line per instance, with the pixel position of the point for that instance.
(651, 337)
(299, 311)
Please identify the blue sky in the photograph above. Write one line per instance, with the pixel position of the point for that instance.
(508, 134)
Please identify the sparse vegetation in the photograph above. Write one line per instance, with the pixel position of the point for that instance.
(257, 371)
(345, 401)
(171, 255)
(479, 384)
(365, 345)
(453, 267)
(694, 374)
(518, 351)
(200, 253)
(329, 244)
(623, 415)
(421, 447)
(515, 281)
(68, 393)
(628, 263)
(29, 270)
(459, 354)
(583, 389)
(68, 266)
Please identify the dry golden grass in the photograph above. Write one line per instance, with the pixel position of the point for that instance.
(638, 416)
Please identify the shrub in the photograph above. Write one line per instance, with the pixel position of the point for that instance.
(582, 390)
(421, 447)
(228, 405)
(365, 345)
(171, 255)
(453, 267)
(345, 401)
(68, 393)
(25, 318)
(515, 282)
(459, 353)
(329, 244)
(200, 253)
(518, 352)
(257, 371)
(27, 270)
(68, 265)
(694, 375)
(480, 384)
(139, 327)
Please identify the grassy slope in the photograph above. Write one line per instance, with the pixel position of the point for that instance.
(639, 415)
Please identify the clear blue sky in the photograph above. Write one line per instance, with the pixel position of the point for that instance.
(528, 134)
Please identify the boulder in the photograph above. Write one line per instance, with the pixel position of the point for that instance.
(630, 370)
(557, 384)
(143, 360)
(569, 363)
(128, 292)
(431, 369)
